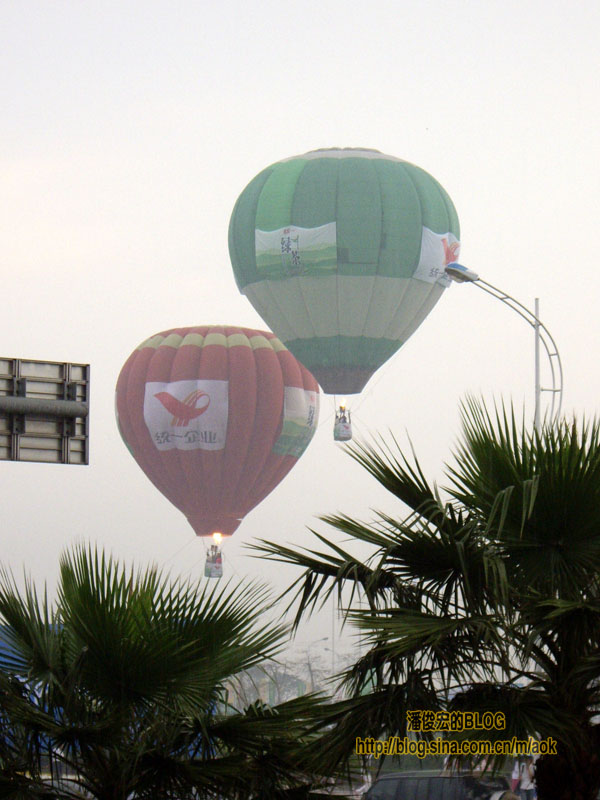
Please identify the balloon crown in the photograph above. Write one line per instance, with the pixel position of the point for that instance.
(354, 149)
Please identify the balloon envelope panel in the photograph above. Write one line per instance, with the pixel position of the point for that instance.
(342, 252)
(216, 416)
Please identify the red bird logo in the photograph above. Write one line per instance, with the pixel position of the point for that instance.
(451, 251)
(186, 410)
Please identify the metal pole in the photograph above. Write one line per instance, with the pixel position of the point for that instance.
(333, 633)
(538, 388)
(310, 672)
(544, 336)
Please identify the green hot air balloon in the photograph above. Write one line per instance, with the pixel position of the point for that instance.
(342, 253)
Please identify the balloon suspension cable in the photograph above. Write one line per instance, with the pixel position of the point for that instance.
(201, 560)
(329, 416)
(230, 564)
(381, 374)
(177, 552)
(362, 425)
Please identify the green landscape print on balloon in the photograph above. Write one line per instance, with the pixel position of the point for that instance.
(299, 413)
(294, 439)
(296, 251)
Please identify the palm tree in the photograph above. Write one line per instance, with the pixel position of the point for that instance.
(483, 597)
(120, 686)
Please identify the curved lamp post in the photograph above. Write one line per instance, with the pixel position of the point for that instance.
(461, 274)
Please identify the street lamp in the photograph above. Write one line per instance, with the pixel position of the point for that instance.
(461, 274)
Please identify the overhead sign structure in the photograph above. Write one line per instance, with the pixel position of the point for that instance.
(44, 409)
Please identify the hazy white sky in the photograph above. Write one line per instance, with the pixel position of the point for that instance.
(128, 130)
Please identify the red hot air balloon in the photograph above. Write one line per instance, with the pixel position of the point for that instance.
(216, 417)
